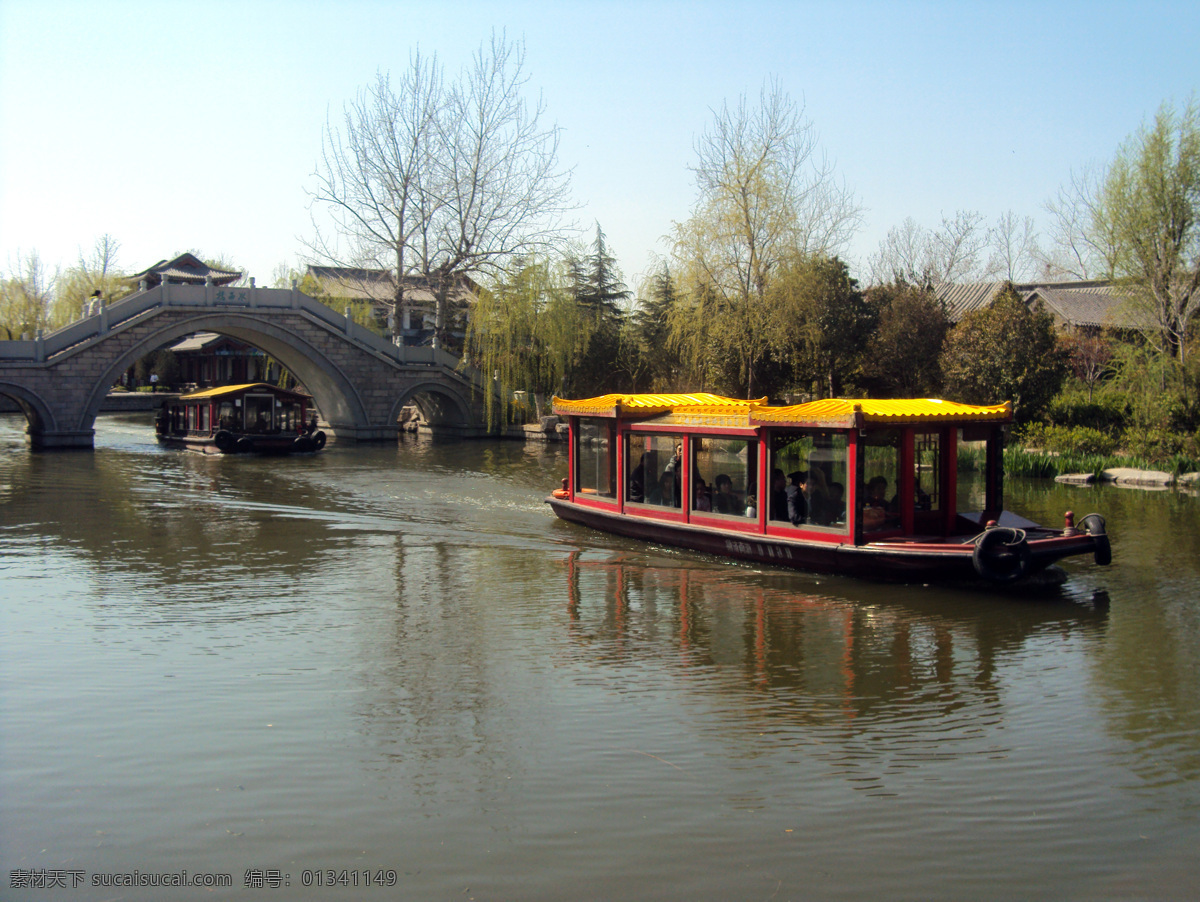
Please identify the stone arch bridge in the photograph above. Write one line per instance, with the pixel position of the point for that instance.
(359, 380)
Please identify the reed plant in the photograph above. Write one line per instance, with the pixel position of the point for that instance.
(1047, 465)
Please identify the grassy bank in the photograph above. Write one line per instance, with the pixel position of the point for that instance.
(1042, 464)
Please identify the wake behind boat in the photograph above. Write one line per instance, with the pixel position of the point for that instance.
(864, 488)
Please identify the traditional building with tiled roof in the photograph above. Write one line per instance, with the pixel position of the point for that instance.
(208, 359)
(1089, 305)
(378, 287)
(186, 269)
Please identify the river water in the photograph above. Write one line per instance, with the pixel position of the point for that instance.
(392, 665)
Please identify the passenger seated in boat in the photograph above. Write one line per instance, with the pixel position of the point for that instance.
(666, 493)
(818, 498)
(779, 501)
(797, 499)
(703, 500)
(725, 501)
(837, 502)
(637, 482)
(921, 501)
(878, 512)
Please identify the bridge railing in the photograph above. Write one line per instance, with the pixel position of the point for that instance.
(213, 296)
(19, 350)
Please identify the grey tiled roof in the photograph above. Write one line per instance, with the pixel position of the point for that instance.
(353, 283)
(186, 268)
(1089, 304)
(357, 284)
(962, 298)
(196, 342)
(1098, 305)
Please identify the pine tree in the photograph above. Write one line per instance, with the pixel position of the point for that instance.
(597, 281)
(599, 292)
(651, 325)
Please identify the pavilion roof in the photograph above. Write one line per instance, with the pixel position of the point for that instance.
(186, 269)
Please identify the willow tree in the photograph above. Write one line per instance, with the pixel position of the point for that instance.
(1149, 205)
(26, 296)
(526, 333)
(98, 271)
(764, 191)
(441, 179)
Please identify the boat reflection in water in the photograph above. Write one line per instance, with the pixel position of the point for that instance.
(768, 651)
(865, 488)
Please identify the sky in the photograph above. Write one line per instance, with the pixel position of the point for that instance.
(198, 126)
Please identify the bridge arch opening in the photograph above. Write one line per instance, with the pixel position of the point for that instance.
(38, 415)
(442, 408)
(333, 391)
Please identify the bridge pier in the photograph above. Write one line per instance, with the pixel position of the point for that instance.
(61, 441)
(348, 432)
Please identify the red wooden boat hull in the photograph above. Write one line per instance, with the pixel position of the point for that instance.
(904, 561)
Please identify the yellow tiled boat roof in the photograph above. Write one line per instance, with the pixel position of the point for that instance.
(622, 405)
(880, 411)
(834, 412)
(223, 390)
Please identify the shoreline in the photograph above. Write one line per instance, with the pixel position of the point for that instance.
(1130, 477)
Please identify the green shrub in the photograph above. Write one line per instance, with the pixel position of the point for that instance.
(1106, 412)
(1076, 441)
(1162, 447)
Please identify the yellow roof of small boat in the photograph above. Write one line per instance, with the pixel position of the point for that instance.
(830, 413)
(851, 413)
(223, 390)
(623, 405)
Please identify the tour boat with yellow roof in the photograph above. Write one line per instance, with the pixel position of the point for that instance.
(256, 418)
(867, 487)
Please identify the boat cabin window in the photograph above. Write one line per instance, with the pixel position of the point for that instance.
(655, 477)
(980, 471)
(816, 463)
(595, 463)
(258, 413)
(197, 415)
(227, 417)
(927, 471)
(724, 476)
(972, 472)
(287, 416)
(880, 484)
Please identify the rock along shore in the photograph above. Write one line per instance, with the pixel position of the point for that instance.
(1127, 476)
